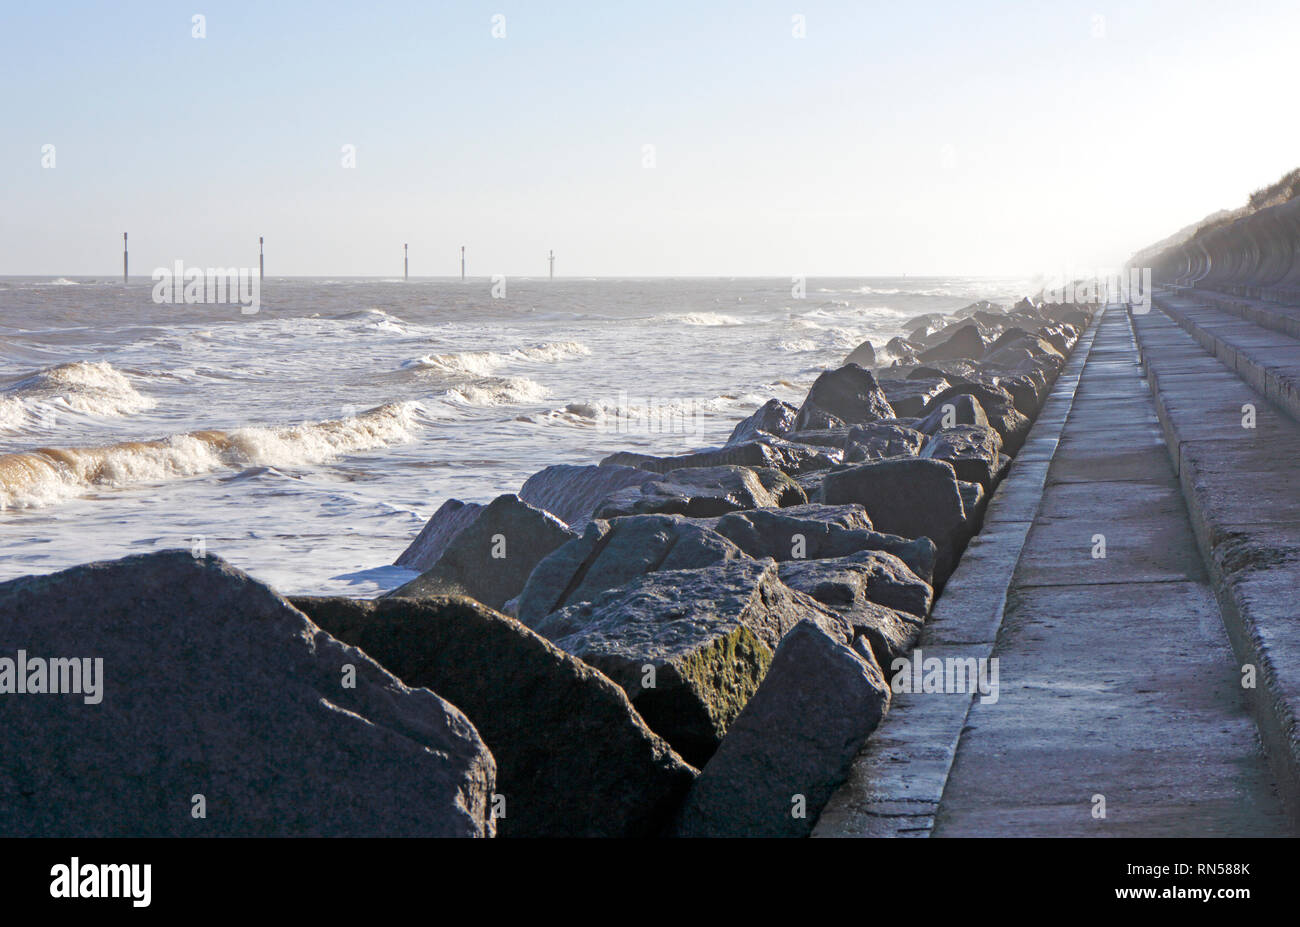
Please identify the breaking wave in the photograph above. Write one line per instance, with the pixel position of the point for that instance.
(51, 474)
(481, 363)
(701, 318)
(496, 391)
(641, 409)
(89, 387)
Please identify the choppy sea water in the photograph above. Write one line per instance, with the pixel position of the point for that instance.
(307, 444)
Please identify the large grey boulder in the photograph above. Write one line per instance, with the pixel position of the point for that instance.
(1067, 312)
(792, 745)
(974, 501)
(821, 437)
(795, 457)
(874, 575)
(1028, 388)
(224, 712)
(981, 307)
(999, 408)
(927, 323)
(818, 531)
(557, 728)
(912, 497)
(975, 452)
(965, 342)
(879, 440)
(814, 418)
(612, 553)
(864, 355)
(1025, 352)
(572, 493)
(773, 417)
(452, 517)
(1060, 336)
(811, 483)
(845, 585)
(849, 395)
(688, 646)
(770, 530)
(900, 351)
(907, 396)
(704, 491)
(961, 409)
(491, 559)
(1008, 336)
(954, 371)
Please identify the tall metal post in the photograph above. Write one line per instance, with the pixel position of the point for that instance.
(125, 262)
(462, 263)
(261, 260)
(552, 257)
(406, 262)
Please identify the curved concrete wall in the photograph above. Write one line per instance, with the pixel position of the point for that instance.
(1257, 252)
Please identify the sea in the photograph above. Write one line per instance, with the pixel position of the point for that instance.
(307, 443)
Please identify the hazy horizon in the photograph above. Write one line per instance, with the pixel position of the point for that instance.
(1010, 140)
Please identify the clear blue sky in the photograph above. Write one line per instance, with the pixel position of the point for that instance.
(946, 137)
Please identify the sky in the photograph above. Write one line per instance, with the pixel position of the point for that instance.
(633, 138)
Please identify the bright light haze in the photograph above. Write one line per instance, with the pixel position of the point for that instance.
(916, 138)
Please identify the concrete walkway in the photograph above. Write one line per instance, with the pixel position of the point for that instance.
(1116, 680)
(1116, 674)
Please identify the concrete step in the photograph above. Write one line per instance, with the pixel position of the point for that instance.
(1289, 296)
(1267, 358)
(1238, 478)
(1280, 315)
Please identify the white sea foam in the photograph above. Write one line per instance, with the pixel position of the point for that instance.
(13, 413)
